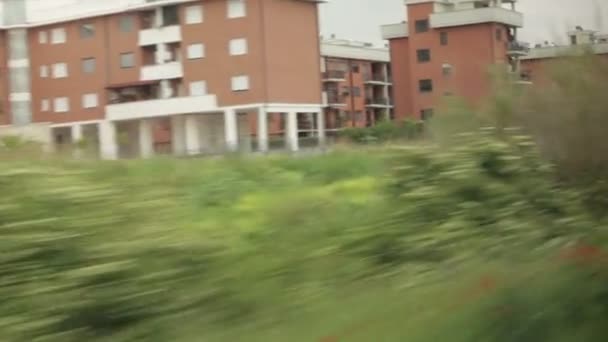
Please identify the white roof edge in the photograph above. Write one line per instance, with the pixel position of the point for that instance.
(355, 52)
(564, 50)
(393, 31)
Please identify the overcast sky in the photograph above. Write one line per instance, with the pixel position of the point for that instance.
(544, 19)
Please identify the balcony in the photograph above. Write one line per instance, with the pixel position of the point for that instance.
(477, 16)
(333, 99)
(161, 107)
(160, 35)
(376, 79)
(393, 31)
(334, 76)
(516, 48)
(378, 102)
(158, 72)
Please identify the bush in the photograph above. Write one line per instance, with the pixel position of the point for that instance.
(385, 131)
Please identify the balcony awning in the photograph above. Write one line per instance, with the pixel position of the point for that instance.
(131, 84)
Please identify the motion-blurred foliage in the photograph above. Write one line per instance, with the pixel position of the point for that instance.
(283, 249)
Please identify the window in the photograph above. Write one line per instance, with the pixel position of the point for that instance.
(499, 34)
(236, 8)
(61, 105)
(89, 100)
(425, 86)
(44, 71)
(198, 88)
(127, 60)
(196, 51)
(125, 23)
(238, 47)
(424, 55)
(426, 114)
(87, 31)
(170, 16)
(60, 70)
(443, 38)
(45, 105)
(356, 91)
(422, 25)
(240, 83)
(446, 69)
(194, 14)
(58, 36)
(355, 68)
(88, 65)
(43, 37)
(573, 40)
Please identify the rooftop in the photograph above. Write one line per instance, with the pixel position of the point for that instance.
(343, 48)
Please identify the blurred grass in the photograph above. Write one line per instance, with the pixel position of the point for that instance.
(377, 244)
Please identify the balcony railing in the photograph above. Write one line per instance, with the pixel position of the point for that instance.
(518, 48)
(161, 107)
(376, 78)
(333, 98)
(334, 75)
(377, 101)
(160, 35)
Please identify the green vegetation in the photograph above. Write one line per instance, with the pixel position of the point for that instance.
(384, 132)
(380, 244)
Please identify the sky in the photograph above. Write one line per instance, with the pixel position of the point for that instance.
(544, 19)
(361, 19)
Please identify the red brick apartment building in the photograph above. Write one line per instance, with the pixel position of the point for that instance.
(357, 84)
(447, 48)
(535, 63)
(204, 73)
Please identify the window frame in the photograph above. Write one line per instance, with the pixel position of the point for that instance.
(90, 97)
(61, 66)
(234, 86)
(421, 26)
(83, 33)
(236, 9)
(420, 53)
(67, 104)
(83, 64)
(444, 38)
(197, 18)
(125, 54)
(192, 48)
(59, 35)
(126, 23)
(236, 49)
(422, 88)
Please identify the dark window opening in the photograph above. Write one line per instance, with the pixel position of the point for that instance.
(424, 55)
(426, 114)
(87, 30)
(422, 25)
(355, 68)
(573, 40)
(170, 16)
(425, 86)
(443, 38)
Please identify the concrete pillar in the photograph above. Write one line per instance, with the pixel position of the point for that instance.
(321, 127)
(178, 135)
(262, 130)
(146, 139)
(76, 139)
(192, 135)
(108, 148)
(230, 130)
(158, 17)
(292, 132)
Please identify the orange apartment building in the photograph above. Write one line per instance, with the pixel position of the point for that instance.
(197, 74)
(534, 64)
(447, 47)
(357, 84)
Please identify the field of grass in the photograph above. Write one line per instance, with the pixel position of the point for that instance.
(378, 244)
